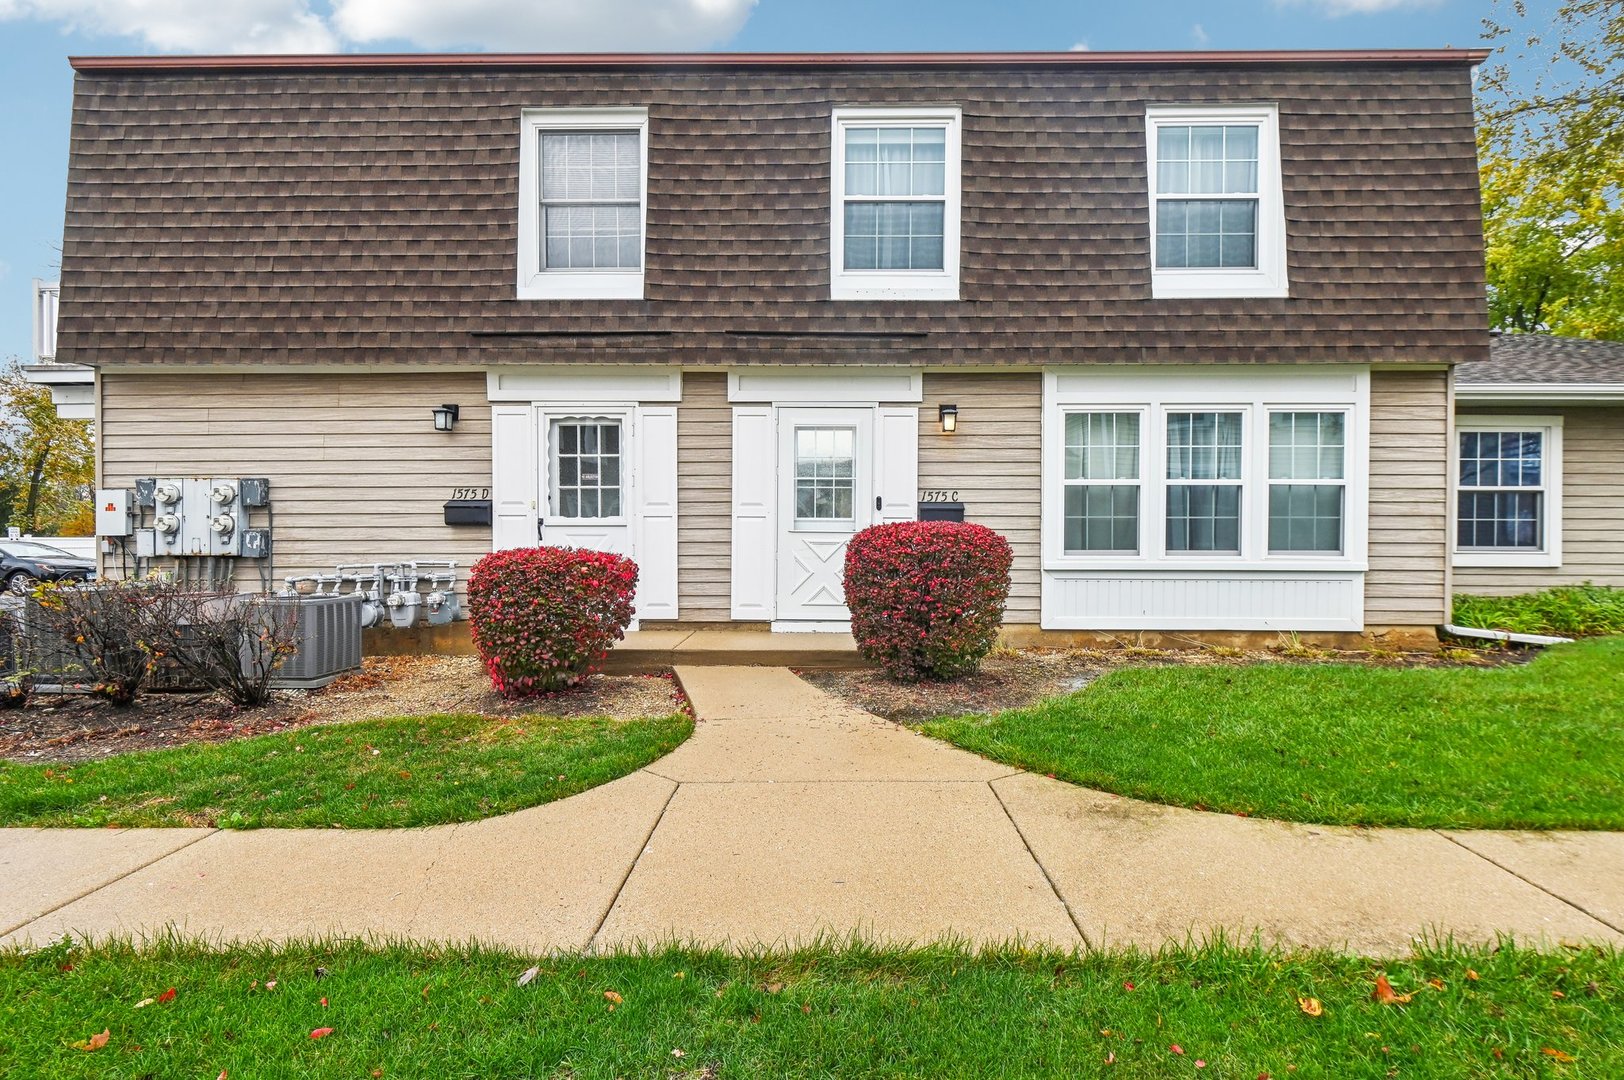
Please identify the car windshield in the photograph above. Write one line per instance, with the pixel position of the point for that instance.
(35, 551)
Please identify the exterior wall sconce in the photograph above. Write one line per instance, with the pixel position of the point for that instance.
(445, 417)
(949, 416)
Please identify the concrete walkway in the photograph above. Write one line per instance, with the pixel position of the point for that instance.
(789, 815)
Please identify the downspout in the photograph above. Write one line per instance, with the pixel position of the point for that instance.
(1503, 635)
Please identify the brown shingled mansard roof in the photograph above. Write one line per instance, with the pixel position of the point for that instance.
(362, 209)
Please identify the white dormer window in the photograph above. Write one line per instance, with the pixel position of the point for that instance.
(894, 220)
(583, 184)
(1217, 222)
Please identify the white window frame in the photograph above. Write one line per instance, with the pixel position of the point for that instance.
(1550, 553)
(940, 284)
(1138, 482)
(1268, 278)
(1270, 481)
(1253, 393)
(537, 283)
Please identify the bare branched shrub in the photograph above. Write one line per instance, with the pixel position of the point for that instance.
(97, 632)
(120, 633)
(226, 641)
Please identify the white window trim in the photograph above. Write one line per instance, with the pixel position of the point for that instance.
(1268, 279)
(1254, 393)
(622, 419)
(534, 282)
(940, 284)
(1551, 553)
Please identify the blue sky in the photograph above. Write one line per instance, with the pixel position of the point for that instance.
(37, 36)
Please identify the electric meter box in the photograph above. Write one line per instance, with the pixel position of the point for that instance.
(115, 512)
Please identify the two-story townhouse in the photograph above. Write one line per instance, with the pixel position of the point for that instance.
(1180, 326)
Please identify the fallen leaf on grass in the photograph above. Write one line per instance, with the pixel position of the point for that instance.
(679, 1053)
(321, 1033)
(270, 984)
(1384, 994)
(1558, 995)
(1128, 986)
(1436, 983)
(1177, 1049)
(612, 998)
(1472, 976)
(324, 1003)
(144, 1002)
(167, 995)
(1549, 1051)
(222, 1075)
(1110, 1059)
(1311, 1006)
(529, 973)
(96, 1042)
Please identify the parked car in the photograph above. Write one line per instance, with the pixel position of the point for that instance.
(25, 563)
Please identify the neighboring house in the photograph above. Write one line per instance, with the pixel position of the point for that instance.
(1180, 326)
(73, 386)
(1540, 465)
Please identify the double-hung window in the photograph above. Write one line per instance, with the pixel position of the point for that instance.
(1509, 491)
(1307, 481)
(1216, 213)
(583, 182)
(894, 220)
(1204, 474)
(1102, 482)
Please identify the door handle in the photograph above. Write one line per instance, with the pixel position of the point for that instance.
(539, 523)
(879, 502)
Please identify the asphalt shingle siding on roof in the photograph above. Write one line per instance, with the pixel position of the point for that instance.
(1542, 359)
(370, 217)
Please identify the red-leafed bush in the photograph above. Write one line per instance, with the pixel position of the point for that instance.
(545, 617)
(926, 597)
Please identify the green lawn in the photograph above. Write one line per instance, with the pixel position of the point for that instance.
(1528, 746)
(847, 1012)
(370, 775)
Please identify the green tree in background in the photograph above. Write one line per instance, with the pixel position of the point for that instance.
(1552, 159)
(47, 464)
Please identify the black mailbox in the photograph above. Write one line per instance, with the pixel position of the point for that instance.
(941, 511)
(468, 512)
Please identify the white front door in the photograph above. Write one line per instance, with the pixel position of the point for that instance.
(586, 480)
(826, 473)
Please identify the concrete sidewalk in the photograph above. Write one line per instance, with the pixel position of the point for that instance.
(789, 815)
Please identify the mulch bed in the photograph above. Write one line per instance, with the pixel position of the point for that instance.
(77, 727)
(1011, 679)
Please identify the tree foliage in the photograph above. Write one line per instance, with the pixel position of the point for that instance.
(47, 464)
(1551, 147)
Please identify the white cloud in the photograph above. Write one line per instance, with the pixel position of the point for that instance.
(1338, 8)
(1199, 35)
(544, 25)
(1081, 46)
(296, 26)
(206, 26)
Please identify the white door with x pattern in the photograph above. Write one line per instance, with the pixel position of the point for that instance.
(826, 494)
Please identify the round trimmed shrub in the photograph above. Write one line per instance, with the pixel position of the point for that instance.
(545, 617)
(927, 597)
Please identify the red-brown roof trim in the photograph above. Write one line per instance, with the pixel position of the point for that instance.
(1086, 58)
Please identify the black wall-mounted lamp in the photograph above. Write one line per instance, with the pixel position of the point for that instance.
(949, 416)
(445, 417)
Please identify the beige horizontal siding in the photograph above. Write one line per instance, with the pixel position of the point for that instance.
(992, 461)
(704, 499)
(1592, 507)
(357, 471)
(1409, 499)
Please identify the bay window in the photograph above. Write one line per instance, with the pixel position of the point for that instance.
(1189, 470)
